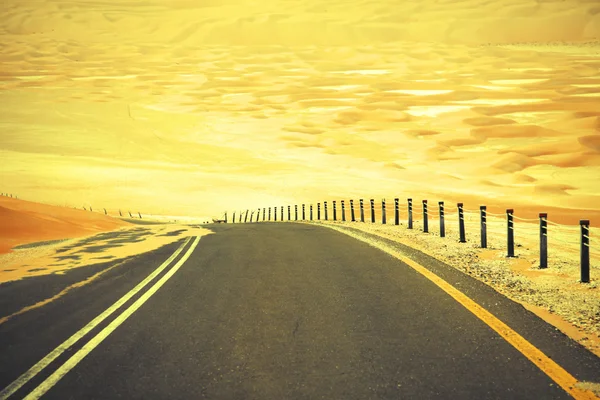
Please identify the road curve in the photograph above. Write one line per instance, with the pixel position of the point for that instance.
(281, 311)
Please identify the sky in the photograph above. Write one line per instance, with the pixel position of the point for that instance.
(171, 107)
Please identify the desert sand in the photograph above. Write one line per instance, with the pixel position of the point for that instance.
(25, 222)
(181, 108)
(38, 239)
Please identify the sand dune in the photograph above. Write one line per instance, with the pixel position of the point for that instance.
(23, 222)
(188, 108)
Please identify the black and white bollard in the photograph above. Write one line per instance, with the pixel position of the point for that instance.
(295, 212)
(311, 214)
(343, 211)
(352, 211)
(269, 214)
(510, 233)
(334, 211)
(318, 211)
(543, 240)
(373, 211)
(289, 213)
(410, 216)
(281, 213)
(325, 209)
(483, 217)
(585, 250)
(383, 213)
(442, 220)
(303, 213)
(362, 211)
(425, 217)
(396, 211)
(461, 223)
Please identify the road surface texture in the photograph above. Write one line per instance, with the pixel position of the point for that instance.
(274, 311)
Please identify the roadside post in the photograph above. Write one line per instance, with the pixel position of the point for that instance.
(585, 250)
(362, 211)
(442, 221)
(461, 223)
(543, 240)
(410, 216)
(510, 230)
(483, 212)
(425, 217)
(334, 211)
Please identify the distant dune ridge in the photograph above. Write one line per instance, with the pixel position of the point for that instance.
(195, 107)
(179, 22)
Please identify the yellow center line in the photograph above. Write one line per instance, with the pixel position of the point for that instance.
(44, 362)
(96, 340)
(554, 371)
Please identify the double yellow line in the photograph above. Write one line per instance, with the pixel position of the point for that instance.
(96, 340)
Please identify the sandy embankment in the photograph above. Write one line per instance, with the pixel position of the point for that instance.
(23, 222)
(77, 239)
(554, 294)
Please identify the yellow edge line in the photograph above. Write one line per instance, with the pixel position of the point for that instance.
(96, 340)
(557, 373)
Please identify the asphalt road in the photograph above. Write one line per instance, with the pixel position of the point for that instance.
(276, 311)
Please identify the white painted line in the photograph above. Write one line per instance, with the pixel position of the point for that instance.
(43, 363)
(91, 345)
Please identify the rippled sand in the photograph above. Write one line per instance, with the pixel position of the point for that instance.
(180, 109)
